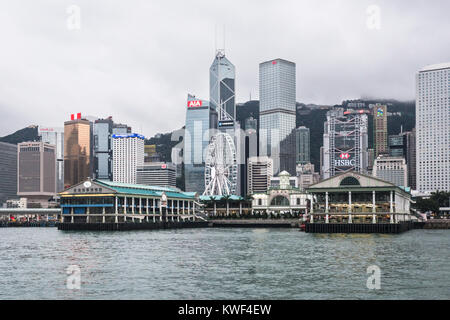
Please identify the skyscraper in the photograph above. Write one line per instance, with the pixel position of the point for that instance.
(433, 128)
(103, 129)
(55, 136)
(77, 151)
(277, 113)
(200, 119)
(411, 157)
(222, 87)
(397, 145)
(36, 171)
(302, 145)
(345, 142)
(8, 171)
(128, 155)
(380, 133)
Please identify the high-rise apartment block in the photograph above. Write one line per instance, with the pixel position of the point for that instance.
(128, 155)
(433, 128)
(277, 113)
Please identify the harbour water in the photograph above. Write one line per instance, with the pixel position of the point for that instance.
(215, 263)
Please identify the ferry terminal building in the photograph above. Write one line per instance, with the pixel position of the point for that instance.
(103, 201)
(352, 197)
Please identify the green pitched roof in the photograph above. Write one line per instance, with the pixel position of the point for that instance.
(139, 189)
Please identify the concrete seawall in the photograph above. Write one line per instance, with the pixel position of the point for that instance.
(437, 224)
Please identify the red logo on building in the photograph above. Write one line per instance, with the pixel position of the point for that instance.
(344, 155)
(163, 166)
(274, 62)
(72, 116)
(194, 103)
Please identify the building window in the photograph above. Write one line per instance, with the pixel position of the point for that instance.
(350, 181)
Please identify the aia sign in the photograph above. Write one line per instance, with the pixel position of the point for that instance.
(344, 155)
(194, 103)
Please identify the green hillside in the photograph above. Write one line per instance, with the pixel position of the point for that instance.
(29, 133)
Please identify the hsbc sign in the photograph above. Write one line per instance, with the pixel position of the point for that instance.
(344, 163)
(194, 103)
(344, 160)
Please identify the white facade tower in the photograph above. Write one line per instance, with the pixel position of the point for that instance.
(128, 155)
(433, 128)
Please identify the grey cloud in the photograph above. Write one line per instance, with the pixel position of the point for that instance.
(137, 60)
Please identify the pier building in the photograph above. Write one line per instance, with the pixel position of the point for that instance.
(103, 201)
(352, 197)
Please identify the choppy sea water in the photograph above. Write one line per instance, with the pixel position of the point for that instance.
(223, 264)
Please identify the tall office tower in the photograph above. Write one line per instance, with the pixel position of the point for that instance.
(302, 145)
(128, 155)
(222, 95)
(433, 128)
(77, 151)
(201, 120)
(55, 136)
(221, 87)
(345, 142)
(391, 169)
(411, 157)
(277, 113)
(380, 138)
(157, 174)
(102, 129)
(8, 172)
(260, 171)
(397, 145)
(36, 171)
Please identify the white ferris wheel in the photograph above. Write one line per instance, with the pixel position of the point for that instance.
(220, 166)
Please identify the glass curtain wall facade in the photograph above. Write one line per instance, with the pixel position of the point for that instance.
(222, 87)
(200, 119)
(77, 151)
(277, 113)
(302, 145)
(103, 149)
(8, 172)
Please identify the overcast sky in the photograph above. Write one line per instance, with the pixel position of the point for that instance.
(138, 60)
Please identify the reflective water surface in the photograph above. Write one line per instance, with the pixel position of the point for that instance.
(222, 264)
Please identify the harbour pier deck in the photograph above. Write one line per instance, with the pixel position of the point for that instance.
(128, 226)
(358, 227)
